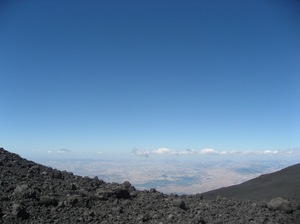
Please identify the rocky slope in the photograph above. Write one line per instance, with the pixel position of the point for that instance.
(285, 182)
(32, 193)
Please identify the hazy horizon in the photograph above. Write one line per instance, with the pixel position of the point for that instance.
(175, 174)
(180, 172)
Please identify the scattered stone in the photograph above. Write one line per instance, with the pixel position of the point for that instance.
(180, 204)
(127, 184)
(23, 191)
(19, 211)
(279, 204)
(48, 201)
(73, 186)
(71, 200)
(153, 190)
(32, 193)
(122, 193)
(20, 189)
(57, 174)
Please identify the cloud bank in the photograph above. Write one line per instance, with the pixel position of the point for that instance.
(210, 151)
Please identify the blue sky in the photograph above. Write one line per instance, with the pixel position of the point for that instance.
(109, 76)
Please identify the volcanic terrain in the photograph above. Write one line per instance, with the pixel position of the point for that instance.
(33, 193)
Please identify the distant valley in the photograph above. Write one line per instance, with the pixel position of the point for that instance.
(171, 175)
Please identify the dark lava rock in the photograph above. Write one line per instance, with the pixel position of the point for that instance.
(32, 193)
(19, 211)
(48, 201)
(180, 204)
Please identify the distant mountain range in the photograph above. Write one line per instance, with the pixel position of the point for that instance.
(285, 182)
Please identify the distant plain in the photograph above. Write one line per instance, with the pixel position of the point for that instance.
(175, 174)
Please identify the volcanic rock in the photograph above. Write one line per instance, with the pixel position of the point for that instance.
(279, 204)
(33, 193)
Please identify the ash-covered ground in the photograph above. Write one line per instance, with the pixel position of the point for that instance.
(33, 193)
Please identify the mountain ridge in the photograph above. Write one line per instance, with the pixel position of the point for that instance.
(284, 183)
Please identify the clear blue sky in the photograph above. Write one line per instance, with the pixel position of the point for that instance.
(90, 76)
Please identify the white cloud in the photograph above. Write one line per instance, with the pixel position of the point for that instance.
(62, 151)
(270, 152)
(210, 151)
(140, 153)
(187, 152)
(162, 151)
(49, 151)
(223, 152)
(236, 152)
